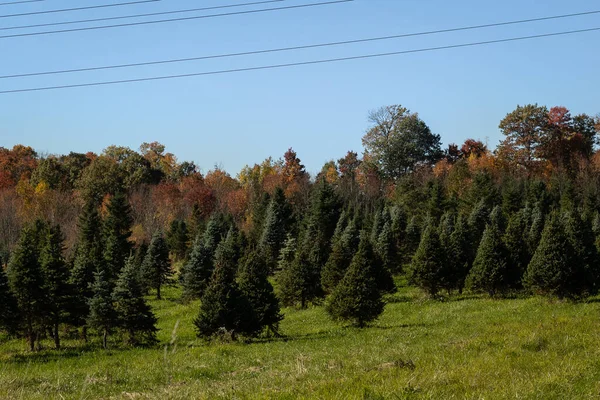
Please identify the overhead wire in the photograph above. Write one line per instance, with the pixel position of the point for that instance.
(20, 2)
(294, 64)
(262, 10)
(81, 21)
(78, 8)
(301, 47)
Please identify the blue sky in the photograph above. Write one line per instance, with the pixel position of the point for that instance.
(320, 110)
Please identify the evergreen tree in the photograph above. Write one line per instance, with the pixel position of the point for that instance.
(535, 230)
(428, 262)
(357, 298)
(551, 270)
(340, 258)
(340, 227)
(138, 260)
(436, 202)
(254, 284)
(216, 229)
(478, 219)
(196, 273)
(103, 315)
(413, 237)
(459, 256)
(386, 248)
(515, 242)
(276, 227)
(223, 304)
(134, 315)
(116, 233)
(27, 284)
(586, 270)
(445, 233)
(56, 278)
(177, 239)
(157, 270)
(490, 268)
(88, 259)
(9, 312)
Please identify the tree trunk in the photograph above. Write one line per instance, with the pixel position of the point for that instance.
(84, 333)
(56, 337)
(105, 338)
(158, 292)
(31, 341)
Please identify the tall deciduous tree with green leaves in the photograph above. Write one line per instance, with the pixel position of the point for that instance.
(399, 141)
(27, 283)
(357, 299)
(157, 269)
(134, 315)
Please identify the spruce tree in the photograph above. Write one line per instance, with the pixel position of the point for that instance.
(56, 280)
(254, 284)
(586, 270)
(196, 273)
(134, 315)
(216, 229)
(9, 312)
(276, 227)
(490, 268)
(427, 269)
(535, 230)
(27, 284)
(157, 270)
(103, 315)
(340, 257)
(116, 233)
(459, 256)
(357, 299)
(413, 237)
(445, 229)
(386, 248)
(88, 259)
(551, 270)
(515, 241)
(177, 239)
(223, 305)
(478, 219)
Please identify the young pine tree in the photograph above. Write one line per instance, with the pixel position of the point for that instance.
(116, 233)
(581, 236)
(103, 315)
(340, 257)
(386, 248)
(515, 242)
(223, 304)
(254, 284)
(276, 227)
(551, 270)
(177, 239)
(9, 312)
(27, 284)
(196, 273)
(428, 262)
(357, 299)
(459, 255)
(56, 279)
(133, 313)
(490, 268)
(157, 270)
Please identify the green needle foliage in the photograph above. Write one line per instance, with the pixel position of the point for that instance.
(224, 307)
(134, 315)
(56, 281)
(116, 233)
(103, 315)
(340, 257)
(276, 227)
(428, 262)
(357, 299)
(157, 270)
(254, 284)
(9, 312)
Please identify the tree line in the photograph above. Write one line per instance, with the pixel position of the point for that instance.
(86, 237)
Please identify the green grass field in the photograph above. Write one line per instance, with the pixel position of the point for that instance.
(462, 348)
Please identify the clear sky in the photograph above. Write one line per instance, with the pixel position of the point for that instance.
(319, 110)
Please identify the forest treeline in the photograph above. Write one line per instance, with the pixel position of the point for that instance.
(85, 237)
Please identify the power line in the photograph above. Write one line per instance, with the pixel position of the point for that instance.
(177, 19)
(138, 15)
(77, 8)
(20, 2)
(309, 46)
(312, 62)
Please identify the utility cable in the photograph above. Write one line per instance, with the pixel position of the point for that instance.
(177, 19)
(20, 2)
(78, 8)
(81, 21)
(292, 48)
(287, 65)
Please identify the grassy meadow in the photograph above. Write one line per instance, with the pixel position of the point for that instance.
(464, 347)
